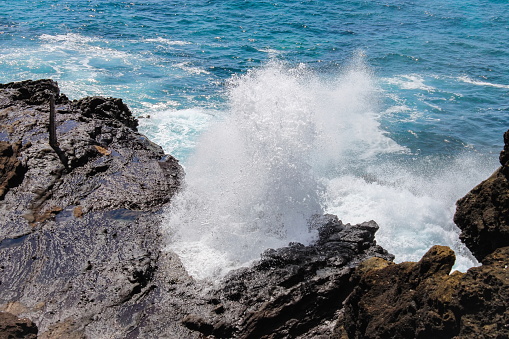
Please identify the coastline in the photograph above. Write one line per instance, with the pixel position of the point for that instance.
(81, 247)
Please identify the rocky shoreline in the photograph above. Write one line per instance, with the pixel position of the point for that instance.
(81, 248)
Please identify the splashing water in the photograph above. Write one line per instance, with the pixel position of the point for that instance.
(249, 182)
(399, 148)
(292, 145)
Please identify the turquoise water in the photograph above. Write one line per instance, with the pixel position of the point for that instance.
(404, 105)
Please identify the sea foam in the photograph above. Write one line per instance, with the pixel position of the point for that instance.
(292, 145)
(258, 175)
(249, 183)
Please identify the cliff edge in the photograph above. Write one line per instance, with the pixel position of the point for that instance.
(79, 215)
(427, 300)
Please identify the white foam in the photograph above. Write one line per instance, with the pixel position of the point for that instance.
(169, 42)
(85, 65)
(253, 181)
(347, 118)
(187, 66)
(397, 109)
(413, 206)
(69, 37)
(176, 130)
(482, 83)
(410, 81)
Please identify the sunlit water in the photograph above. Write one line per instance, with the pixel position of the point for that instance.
(369, 110)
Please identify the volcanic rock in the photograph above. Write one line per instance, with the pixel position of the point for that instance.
(80, 243)
(295, 291)
(425, 300)
(11, 170)
(12, 327)
(81, 248)
(483, 214)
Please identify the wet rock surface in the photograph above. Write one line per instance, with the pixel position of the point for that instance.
(81, 249)
(110, 165)
(80, 241)
(80, 245)
(296, 291)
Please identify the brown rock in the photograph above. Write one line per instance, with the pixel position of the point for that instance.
(11, 170)
(422, 300)
(67, 329)
(483, 214)
(483, 297)
(12, 327)
(78, 212)
(408, 300)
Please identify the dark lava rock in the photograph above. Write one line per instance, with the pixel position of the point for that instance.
(29, 92)
(109, 166)
(483, 214)
(504, 155)
(107, 108)
(80, 241)
(11, 327)
(80, 245)
(11, 170)
(292, 292)
(81, 248)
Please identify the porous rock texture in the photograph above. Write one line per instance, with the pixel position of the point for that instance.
(426, 300)
(292, 292)
(483, 214)
(81, 248)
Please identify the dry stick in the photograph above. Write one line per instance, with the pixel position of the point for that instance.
(52, 125)
(53, 133)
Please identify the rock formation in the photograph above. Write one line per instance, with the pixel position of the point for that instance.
(483, 214)
(426, 300)
(81, 250)
(11, 170)
(80, 244)
(296, 291)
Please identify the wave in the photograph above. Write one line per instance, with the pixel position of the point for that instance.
(189, 68)
(482, 83)
(168, 42)
(175, 129)
(411, 81)
(258, 175)
(69, 37)
(413, 201)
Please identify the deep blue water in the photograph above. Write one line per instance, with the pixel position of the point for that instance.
(438, 95)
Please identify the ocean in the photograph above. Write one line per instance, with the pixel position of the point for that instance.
(279, 111)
